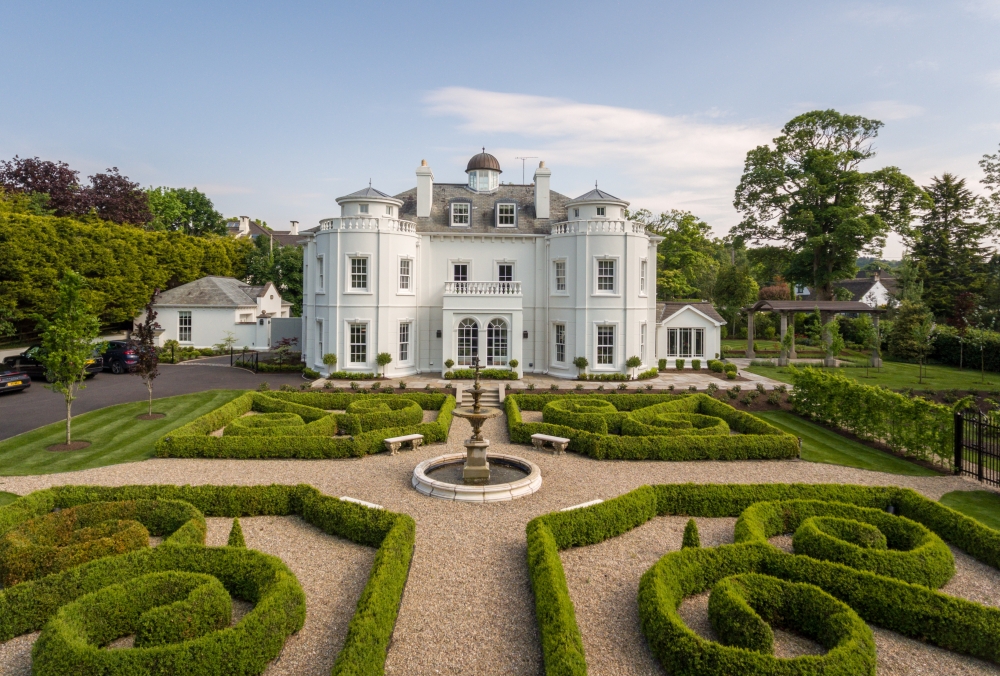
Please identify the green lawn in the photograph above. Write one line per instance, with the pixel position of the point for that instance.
(981, 505)
(898, 376)
(7, 498)
(822, 445)
(115, 435)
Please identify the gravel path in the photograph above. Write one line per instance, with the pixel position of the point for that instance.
(468, 606)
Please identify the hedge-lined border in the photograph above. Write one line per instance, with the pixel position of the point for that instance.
(757, 439)
(26, 607)
(912, 610)
(315, 439)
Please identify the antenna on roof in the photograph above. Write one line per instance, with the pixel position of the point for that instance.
(532, 157)
(370, 183)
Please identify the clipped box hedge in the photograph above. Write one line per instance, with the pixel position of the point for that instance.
(749, 575)
(370, 418)
(171, 596)
(583, 424)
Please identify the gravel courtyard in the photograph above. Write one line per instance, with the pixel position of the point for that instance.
(468, 607)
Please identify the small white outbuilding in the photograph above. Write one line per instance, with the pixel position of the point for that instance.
(688, 330)
(200, 313)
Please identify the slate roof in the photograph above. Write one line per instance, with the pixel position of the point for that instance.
(212, 292)
(597, 195)
(859, 287)
(483, 204)
(668, 308)
(284, 238)
(369, 192)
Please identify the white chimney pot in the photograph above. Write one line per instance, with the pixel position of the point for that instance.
(425, 189)
(543, 176)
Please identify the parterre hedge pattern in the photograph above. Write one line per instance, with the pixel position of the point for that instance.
(367, 420)
(176, 598)
(649, 427)
(845, 580)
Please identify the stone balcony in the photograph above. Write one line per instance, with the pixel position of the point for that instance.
(482, 288)
(370, 223)
(597, 226)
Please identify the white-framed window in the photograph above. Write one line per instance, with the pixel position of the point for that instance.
(319, 340)
(405, 274)
(497, 343)
(605, 275)
(388, 210)
(359, 273)
(359, 343)
(320, 277)
(459, 272)
(505, 272)
(642, 277)
(506, 215)
(561, 343)
(602, 211)
(576, 213)
(404, 342)
(246, 318)
(363, 208)
(685, 342)
(642, 342)
(461, 214)
(473, 180)
(468, 342)
(560, 275)
(184, 326)
(605, 345)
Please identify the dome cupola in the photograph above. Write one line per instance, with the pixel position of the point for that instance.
(484, 172)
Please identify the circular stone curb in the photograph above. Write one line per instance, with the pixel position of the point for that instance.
(471, 493)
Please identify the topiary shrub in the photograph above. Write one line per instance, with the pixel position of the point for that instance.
(691, 537)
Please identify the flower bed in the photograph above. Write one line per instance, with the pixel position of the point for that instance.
(369, 420)
(649, 427)
(845, 580)
(176, 598)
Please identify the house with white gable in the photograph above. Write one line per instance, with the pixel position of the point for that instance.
(502, 272)
(198, 314)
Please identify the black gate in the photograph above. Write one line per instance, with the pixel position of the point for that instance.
(977, 446)
(244, 360)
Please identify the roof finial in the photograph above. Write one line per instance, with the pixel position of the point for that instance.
(370, 183)
(484, 149)
(595, 185)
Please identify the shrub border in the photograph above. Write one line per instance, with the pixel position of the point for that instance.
(562, 644)
(370, 629)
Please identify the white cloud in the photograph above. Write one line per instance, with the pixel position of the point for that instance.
(993, 78)
(674, 161)
(890, 110)
(988, 8)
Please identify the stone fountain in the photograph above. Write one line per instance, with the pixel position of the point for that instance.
(510, 477)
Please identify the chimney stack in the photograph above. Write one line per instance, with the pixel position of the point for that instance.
(542, 178)
(244, 225)
(295, 228)
(425, 189)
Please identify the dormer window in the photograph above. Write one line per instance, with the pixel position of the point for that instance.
(506, 215)
(601, 211)
(461, 213)
(363, 208)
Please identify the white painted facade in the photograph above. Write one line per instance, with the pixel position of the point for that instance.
(200, 319)
(689, 333)
(579, 281)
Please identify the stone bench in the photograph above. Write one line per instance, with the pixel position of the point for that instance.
(393, 445)
(559, 444)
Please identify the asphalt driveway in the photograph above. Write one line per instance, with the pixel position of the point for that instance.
(37, 406)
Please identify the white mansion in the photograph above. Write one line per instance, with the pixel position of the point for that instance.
(500, 271)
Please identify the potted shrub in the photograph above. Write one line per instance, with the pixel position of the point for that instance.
(633, 363)
(383, 359)
(581, 363)
(330, 361)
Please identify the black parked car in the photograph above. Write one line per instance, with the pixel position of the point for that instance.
(120, 357)
(13, 381)
(27, 362)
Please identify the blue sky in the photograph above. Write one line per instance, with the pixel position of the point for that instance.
(276, 109)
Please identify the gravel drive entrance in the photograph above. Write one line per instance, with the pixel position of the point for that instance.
(468, 607)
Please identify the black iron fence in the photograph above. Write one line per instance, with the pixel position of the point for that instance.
(247, 359)
(977, 446)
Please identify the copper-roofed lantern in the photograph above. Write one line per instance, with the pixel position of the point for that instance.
(484, 172)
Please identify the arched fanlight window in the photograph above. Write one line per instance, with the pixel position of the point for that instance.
(496, 343)
(468, 342)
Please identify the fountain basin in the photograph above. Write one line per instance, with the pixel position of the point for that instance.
(497, 492)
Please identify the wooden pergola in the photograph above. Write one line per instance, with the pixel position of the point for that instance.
(826, 308)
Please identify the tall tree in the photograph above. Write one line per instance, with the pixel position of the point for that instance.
(69, 341)
(117, 199)
(185, 210)
(735, 288)
(687, 258)
(269, 261)
(948, 245)
(810, 193)
(989, 207)
(59, 184)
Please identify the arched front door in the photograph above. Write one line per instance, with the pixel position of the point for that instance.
(468, 342)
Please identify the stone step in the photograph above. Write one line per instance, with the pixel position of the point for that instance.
(489, 397)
